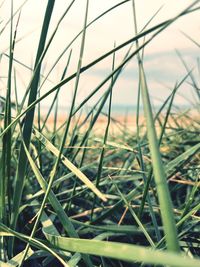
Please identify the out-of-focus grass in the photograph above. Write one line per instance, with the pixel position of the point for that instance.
(65, 189)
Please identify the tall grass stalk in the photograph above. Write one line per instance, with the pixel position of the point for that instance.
(159, 172)
(6, 155)
(72, 195)
(28, 122)
(141, 162)
(160, 26)
(53, 172)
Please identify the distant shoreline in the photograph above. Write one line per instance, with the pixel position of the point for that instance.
(122, 122)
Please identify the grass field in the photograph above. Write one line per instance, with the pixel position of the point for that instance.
(71, 195)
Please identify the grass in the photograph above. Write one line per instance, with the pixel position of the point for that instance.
(72, 197)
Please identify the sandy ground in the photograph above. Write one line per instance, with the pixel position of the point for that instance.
(126, 124)
(122, 124)
(117, 124)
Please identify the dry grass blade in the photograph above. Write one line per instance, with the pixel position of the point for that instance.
(49, 146)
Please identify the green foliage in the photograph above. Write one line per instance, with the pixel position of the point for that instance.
(72, 197)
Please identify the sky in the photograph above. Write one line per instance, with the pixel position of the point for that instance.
(162, 65)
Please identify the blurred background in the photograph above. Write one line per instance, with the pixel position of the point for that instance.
(162, 64)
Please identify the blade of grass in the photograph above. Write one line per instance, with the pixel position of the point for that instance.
(159, 172)
(74, 39)
(57, 92)
(67, 225)
(105, 138)
(170, 98)
(14, 14)
(178, 162)
(140, 157)
(195, 86)
(83, 69)
(59, 156)
(48, 226)
(7, 141)
(6, 231)
(16, 260)
(68, 164)
(135, 216)
(128, 252)
(22, 163)
(191, 198)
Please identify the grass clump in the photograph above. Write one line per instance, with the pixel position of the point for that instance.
(71, 195)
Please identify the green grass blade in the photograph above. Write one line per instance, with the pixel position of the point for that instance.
(127, 252)
(178, 162)
(49, 227)
(67, 225)
(170, 98)
(101, 159)
(15, 261)
(159, 172)
(29, 120)
(133, 193)
(140, 157)
(135, 217)
(6, 231)
(7, 140)
(69, 164)
(83, 69)
(57, 92)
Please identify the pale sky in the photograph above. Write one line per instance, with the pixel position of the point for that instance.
(163, 67)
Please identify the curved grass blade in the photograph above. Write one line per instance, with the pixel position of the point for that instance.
(67, 225)
(47, 223)
(162, 25)
(131, 253)
(70, 165)
(17, 258)
(6, 231)
(29, 119)
(178, 162)
(49, 146)
(14, 14)
(159, 172)
(135, 217)
(128, 197)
